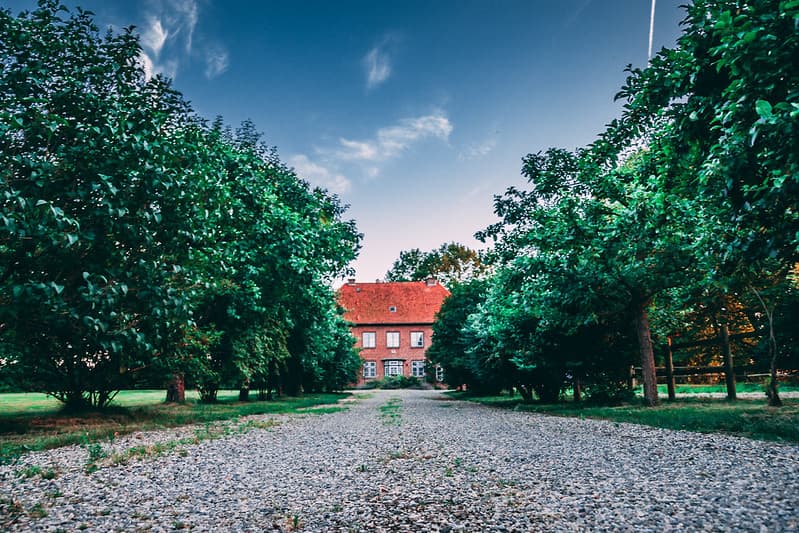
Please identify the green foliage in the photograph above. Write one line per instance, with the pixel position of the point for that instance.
(729, 96)
(609, 390)
(394, 382)
(135, 240)
(451, 264)
(96, 451)
(724, 105)
(13, 374)
(588, 246)
(451, 346)
(92, 209)
(35, 470)
(684, 208)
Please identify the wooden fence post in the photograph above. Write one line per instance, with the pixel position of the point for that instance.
(670, 371)
(729, 371)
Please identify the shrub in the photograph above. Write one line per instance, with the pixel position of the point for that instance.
(607, 390)
(394, 382)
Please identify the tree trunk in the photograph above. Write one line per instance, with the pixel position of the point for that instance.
(729, 371)
(176, 389)
(527, 394)
(244, 393)
(771, 390)
(648, 374)
(578, 389)
(270, 378)
(670, 372)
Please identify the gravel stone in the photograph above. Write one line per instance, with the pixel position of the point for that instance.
(445, 466)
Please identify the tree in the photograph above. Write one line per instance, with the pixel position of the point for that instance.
(503, 345)
(451, 345)
(134, 238)
(92, 234)
(451, 263)
(692, 192)
(725, 103)
(696, 185)
(278, 245)
(594, 240)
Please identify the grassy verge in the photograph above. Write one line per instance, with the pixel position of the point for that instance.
(746, 418)
(722, 388)
(33, 422)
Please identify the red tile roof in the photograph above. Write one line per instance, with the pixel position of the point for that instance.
(416, 302)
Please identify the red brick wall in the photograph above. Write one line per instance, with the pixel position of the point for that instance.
(380, 352)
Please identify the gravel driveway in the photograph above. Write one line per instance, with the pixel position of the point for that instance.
(415, 461)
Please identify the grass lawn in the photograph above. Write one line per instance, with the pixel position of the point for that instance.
(30, 421)
(722, 388)
(746, 418)
(36, 403)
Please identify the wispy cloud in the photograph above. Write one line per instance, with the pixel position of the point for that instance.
(146, 65)
(390, 141)
(477, 150)
(154, 36)
(576, 15)
(377, 64)
(168, 68)
(168, 40)
(185, 15)
(216, 62)
(318, 174)
(152, 39)
(359, 150)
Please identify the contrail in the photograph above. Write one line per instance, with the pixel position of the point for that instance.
(651, 28)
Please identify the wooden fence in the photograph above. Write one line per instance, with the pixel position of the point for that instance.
(728, 369)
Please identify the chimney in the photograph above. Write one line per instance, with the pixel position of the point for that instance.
(351, 281)
(430, 282)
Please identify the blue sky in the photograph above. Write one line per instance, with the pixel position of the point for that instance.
(415, 113)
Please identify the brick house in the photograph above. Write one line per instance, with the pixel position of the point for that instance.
(392, 323)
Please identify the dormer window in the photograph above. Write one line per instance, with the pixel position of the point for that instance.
(392, 309)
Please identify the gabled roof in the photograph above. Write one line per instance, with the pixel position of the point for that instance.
(415, 302)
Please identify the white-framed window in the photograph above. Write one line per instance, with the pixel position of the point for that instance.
(392, 309)
(417, 339)
(393, 368)
(439, 374)
(369, 369)
(392, 339)
(368, 339)
(417, 369)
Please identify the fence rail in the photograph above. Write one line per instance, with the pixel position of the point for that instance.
(669, 371)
